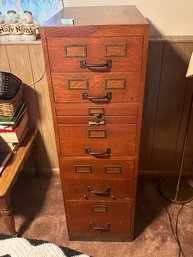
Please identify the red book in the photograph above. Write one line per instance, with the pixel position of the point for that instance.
(14, 135)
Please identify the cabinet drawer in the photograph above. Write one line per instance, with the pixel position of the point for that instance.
(92, 109)
(92, 189)
(71, 87)
(66, 54)
(94, 117)
(92, 121)
(93, 220)
(111, 140)
(87, 168)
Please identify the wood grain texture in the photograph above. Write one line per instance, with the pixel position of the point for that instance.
(74, 139)
(99, 15)
(49, 83)
(4, 62)
(80, 214)
(89, 109)
(59, 62)
(26, 62)
(19, 61)
(9, 177)
(95, 31)
(124, 86)
(42, 98)
(104, 120)
(152, 87)
(64, 55)
(20, 65)
(113, 189)
(170, 106)
(14, 164)
(167, 103)
(188, 158)
(15, 43)
(156, 79)
(101, 169)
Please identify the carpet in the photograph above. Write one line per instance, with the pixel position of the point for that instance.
(21, 247)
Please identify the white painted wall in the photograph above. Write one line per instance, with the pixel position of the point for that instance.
(167, 17)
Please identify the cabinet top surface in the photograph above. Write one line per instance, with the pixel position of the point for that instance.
(98, 15)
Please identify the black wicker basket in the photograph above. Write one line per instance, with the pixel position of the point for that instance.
(9, 85)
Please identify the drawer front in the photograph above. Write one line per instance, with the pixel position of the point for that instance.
(102, 169)
(111, 140)
(94, 110)
(66, 54)
(95, 116)
(94, 220)
(92, 189)
(124, 87)
(93, 121)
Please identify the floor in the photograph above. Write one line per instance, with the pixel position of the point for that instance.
(39, 213)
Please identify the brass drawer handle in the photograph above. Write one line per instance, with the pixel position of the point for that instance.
(85, 96)
(108, 64)
(107, 152)
(101, 230)
(96, 123)
(106, 192)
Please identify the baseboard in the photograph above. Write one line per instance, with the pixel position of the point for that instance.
(51, 170)
(29, 171)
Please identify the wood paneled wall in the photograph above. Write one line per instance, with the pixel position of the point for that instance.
(26, 61)
(167, 101)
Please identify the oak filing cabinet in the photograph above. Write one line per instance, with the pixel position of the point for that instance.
(96, 71)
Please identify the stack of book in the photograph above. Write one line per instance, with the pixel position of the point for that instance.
(12, 131)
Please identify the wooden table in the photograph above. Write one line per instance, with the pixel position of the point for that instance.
(9, 177)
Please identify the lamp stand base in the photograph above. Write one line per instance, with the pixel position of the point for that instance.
(168, 189)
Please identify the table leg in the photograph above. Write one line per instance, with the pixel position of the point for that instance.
(8, 217)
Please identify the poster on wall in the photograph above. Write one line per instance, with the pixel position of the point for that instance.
(42, 10)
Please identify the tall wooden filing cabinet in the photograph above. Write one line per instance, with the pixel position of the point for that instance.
(96, 70)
